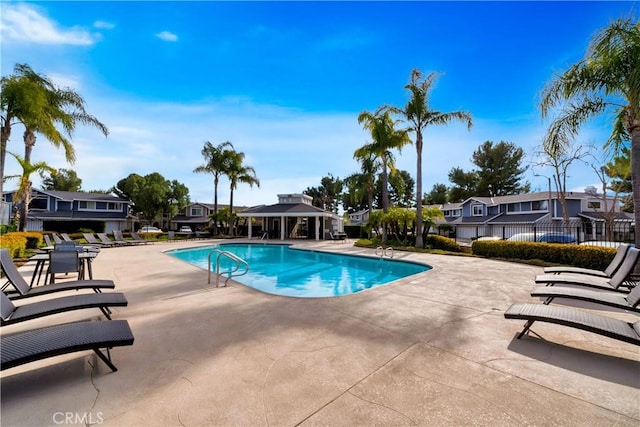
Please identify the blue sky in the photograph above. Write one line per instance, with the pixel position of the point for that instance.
(285, 82)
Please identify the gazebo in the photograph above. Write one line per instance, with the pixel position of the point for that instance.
(294, 217)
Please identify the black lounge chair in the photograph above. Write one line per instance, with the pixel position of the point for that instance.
(66, 237)
(619, 282)
(608, 272)
(630, 301)
(91, 239)
(119, 239)
(136, 238)
(28, 346)
(574, 318)
(11, 313)
(23, 290)
(105, 239)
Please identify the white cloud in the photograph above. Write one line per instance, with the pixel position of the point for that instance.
(104, 25)
(25, 23)
(65, 81)
(167, 36)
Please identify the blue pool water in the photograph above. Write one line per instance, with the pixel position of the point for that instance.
(281, 270)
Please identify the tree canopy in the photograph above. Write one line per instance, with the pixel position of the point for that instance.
(498, 172)
(328, 194)
(62, 180)
(152, 195)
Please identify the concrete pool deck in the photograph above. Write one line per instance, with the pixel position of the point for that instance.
(431, 349)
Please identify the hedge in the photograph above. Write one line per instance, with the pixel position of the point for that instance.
(434, 241)
(594, 257)
(18, 242)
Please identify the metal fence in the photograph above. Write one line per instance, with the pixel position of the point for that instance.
(573, 231)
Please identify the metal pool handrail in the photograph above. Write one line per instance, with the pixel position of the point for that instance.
(382, 252)
(238, 263)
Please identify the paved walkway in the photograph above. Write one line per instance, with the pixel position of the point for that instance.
(433, 349)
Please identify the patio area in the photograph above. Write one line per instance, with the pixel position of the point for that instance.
(432, 349)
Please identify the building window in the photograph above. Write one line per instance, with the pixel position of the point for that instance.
(539, 205)
(456, 212)
(476, 210)
(86, 205)
(40, 203)
(196, 212)
(593, 205)
(513, 207)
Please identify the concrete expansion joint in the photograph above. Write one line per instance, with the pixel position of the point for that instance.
(413, 422)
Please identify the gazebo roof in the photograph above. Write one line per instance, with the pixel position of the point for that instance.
(286, 209)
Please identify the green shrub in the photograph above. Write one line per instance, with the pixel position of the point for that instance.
(433, 241)
(365, 243)
(574, 255)
(15, 243)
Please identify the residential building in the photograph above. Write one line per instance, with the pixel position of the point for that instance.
(504, 216)
(69, 211)
(359, 218)
(197, 215)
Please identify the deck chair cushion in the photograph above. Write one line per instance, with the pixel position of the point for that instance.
(14, 314)
(36, 344)
(579, 319)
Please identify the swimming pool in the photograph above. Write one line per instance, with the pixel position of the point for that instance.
(282, 270)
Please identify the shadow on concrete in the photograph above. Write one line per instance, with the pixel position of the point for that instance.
(597, 365)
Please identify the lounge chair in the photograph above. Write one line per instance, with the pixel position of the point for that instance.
(91, 239)
(48, 241)
(23, 290)
(608, 272)
(66, 238)
(579, 319)
(105, 239)
(119, 238)
(136, 237)
(618, 282)
(630, 301)
(36, 344)
(11, 313)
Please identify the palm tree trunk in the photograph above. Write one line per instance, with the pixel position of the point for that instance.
(231, 222)
(419, 241)
(5, 134)
(4, 139)
(29, 141)
(215, 206)
(385, 198)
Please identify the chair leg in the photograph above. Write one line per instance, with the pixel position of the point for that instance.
(526, 328)
(106, 358)
(106, 312)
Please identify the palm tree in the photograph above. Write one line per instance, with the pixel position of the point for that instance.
(23, 194)
(34, 101)
(238, 173)
(607, 79)
(385, 138)
(215, 164)
(419, 115)
(366, 181)
(21, 97)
